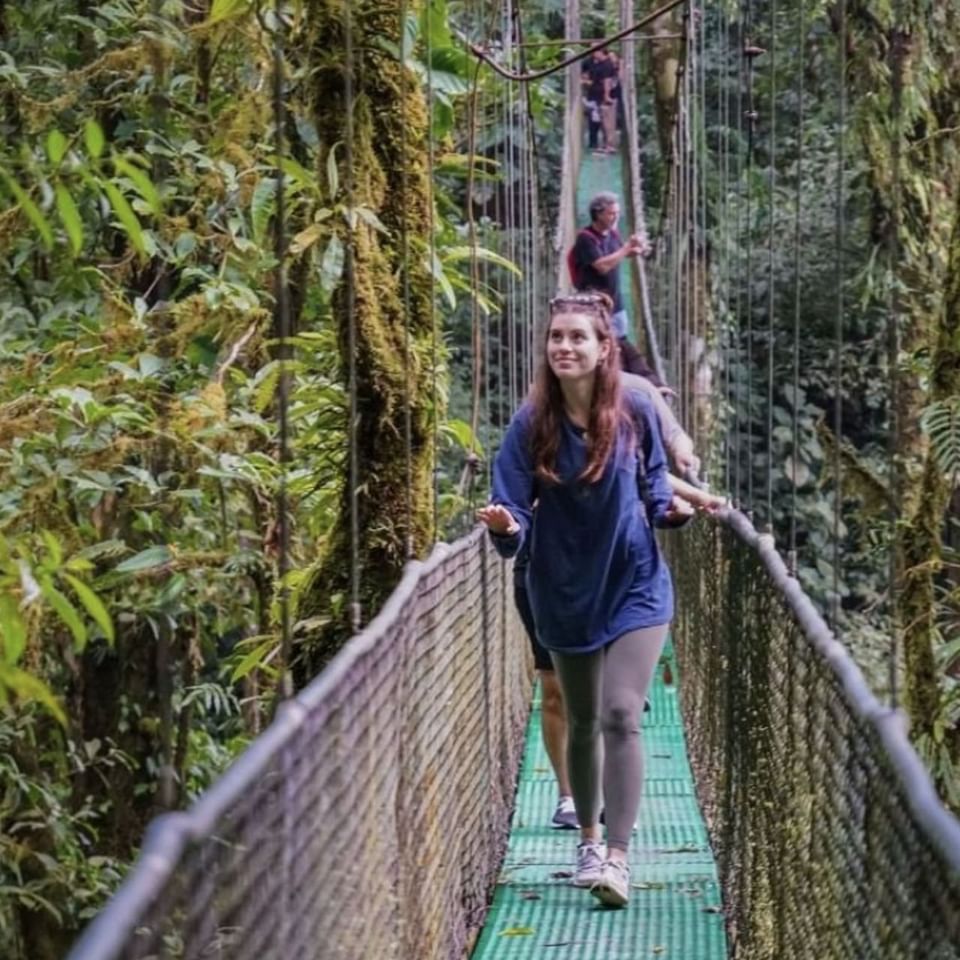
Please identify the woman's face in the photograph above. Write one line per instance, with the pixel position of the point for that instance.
(573, 347)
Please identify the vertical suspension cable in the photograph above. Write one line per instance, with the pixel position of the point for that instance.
(771, 298)
(281, 322)
(703, 291)
(683, 227)
(897, 53)
(432, 253)
(723, 251)
(511, 220)
(533, 193)
(408, 538)
(751, 117)
(737, 348)
(356, 614)
(466, 481)
(838, 329)
(723, 71)
(801, 96)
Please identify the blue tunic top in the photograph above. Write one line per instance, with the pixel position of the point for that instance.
(594, 571)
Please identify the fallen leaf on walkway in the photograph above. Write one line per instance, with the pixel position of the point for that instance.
(561, 875)
(529, 895)
(518, 932)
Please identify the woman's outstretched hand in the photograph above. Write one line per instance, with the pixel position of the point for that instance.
(499, 519)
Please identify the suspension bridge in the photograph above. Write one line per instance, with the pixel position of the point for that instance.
(785, 813)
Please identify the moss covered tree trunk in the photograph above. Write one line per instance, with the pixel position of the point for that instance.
(910, 70)
(664, 64)
(389, 292)
(945, 384)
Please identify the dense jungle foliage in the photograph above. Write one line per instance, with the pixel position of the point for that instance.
(140, 356)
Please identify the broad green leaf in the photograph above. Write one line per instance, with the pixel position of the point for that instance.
(94, 139)
(94, 606)
(70, 218)
(257, 658)
(147, 559)
(13, 633)
(296, 172)
(28, 687)
(126, 216)
(227, 9)
(31, 210)
(305, 239)
(459, 431)
(142, 182)
(57, 147)
(262, 205)
(436, 268)
(67, 613)
(331, 267)
(333, 174)
(370, 218)
(54, 549)
(455, 254)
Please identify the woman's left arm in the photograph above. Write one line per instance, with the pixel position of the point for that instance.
(658, 492)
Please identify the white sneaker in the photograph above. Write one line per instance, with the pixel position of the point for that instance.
(565, 816)
(612, 888)
(590, 857)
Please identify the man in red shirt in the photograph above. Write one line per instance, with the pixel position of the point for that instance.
(598, 252)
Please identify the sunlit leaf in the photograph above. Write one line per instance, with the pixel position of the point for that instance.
(12, 629)
(93, 605)
(31, 210)
(142, 182)
(258, 658)
(28, 687)
(70, 218)
(94, 139)
(455, 254)
(226, 10)
(67, 613)
(155, 556)
(333, 175)
(331, 267)
(126, 216)
(57, 146)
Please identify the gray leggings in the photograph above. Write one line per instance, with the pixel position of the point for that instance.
(603, 692)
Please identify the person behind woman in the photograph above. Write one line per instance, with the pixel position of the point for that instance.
(599, 589)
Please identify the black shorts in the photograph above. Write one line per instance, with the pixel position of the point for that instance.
(541, 655)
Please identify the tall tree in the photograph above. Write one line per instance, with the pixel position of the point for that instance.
(905, 74)
(372, 120)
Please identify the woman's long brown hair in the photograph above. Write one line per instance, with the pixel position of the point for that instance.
(606, 409)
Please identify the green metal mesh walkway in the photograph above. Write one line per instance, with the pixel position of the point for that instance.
(674, 908)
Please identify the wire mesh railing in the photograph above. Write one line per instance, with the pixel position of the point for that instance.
(370, 819)
(831, 841)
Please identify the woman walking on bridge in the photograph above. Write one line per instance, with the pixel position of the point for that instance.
(600, 591)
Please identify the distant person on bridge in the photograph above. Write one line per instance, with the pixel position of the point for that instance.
(594, 261)
(600, 77)
(600, 592)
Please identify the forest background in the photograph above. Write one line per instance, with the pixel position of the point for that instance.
(140, 543)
